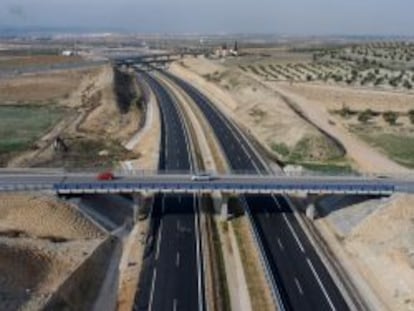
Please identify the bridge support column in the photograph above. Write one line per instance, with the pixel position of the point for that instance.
(140, 202)
(310, 211)
(220, 202)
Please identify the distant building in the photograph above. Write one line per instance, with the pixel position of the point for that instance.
(223, 51)
(235, 50)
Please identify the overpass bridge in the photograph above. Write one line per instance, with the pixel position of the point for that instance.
(159, 58)
(87, 183)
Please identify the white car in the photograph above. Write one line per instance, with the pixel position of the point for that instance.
(201, 177)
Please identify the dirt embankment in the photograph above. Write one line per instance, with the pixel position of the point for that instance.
(42, 241)
(95, 130)
(383, 245)
(119, 109)
(316, 102)
(260, 111)
(378, 237)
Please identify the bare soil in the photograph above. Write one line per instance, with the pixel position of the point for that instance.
(381, 245)
(42, 88)
(38, 216)
(316, 103)
(259, 110)
(42, 241)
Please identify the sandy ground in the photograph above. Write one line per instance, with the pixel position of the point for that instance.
(40, 216)
(333, 97)
(42, 241)
(365, 157)
(380, 243)
(256, 107)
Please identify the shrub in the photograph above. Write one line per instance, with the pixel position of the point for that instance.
(346, 112)
(281, 148)
(408, 85)
(411, 116)
(364, 116)
(390, 117)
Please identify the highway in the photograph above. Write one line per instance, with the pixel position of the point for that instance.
(171, 277)
(302, 280)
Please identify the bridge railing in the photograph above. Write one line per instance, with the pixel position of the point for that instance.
(148, 173)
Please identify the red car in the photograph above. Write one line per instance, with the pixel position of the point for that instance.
(106, 176)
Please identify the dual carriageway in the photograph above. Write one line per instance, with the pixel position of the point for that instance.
(173, 268)
(296, 275)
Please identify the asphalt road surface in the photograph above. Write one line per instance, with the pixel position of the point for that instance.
(302, 279)
(172, 276)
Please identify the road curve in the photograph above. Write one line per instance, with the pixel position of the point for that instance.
(302, 280)
(171, 277)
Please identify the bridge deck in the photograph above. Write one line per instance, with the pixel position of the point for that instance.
(87, 183)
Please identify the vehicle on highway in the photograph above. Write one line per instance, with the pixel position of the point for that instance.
(106, 176)
(201, 177)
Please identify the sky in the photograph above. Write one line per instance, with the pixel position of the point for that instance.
(291, 17)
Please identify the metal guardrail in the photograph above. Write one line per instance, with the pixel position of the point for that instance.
(225, 187)
(128, 172)
(277, 297)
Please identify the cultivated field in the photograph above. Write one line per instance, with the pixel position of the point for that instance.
(22, 62)
(375, 66)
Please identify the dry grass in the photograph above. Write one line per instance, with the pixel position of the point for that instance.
(256, 283)
(38, 60)
(41, 88)
(335, 97)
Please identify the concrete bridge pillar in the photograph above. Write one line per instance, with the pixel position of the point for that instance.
(310, 211)
(220, 202)
(140, 203)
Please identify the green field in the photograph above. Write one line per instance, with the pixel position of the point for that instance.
(399, 148)
(21, 126)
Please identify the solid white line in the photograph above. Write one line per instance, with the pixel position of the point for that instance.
(154, 277)
(177, 259)
(290, 227)
(163, 204)
(198, 249)
(277, 202)
(159, 241)
(299, 286)
(294, 233)
(280, 244)
(175, 303)
(320, 284)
